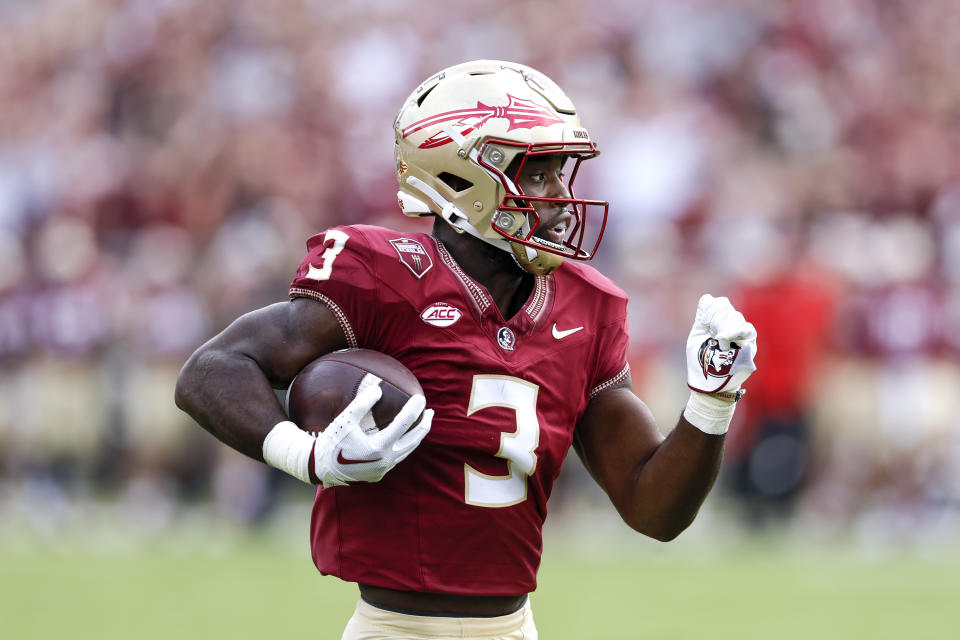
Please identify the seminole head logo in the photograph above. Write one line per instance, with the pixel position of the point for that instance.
(520, 114)
(714, 361)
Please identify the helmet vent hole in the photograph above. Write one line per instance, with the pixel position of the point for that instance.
(424, 96)
(456, 183)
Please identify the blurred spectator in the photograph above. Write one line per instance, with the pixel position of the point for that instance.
(791, 305)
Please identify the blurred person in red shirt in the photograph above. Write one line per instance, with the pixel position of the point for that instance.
(768, 455)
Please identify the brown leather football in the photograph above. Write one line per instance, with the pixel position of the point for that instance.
(326, 386)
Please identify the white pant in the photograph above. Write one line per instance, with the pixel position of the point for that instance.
(371, 623)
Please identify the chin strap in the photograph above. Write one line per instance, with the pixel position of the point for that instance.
(448, 211)
(460, 223)
(530, 252)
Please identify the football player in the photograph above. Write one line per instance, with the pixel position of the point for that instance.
(521, 349)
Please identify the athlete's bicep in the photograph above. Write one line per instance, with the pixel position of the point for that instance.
(283, 337)
(614, 438)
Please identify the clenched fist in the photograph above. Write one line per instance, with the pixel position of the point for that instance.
(720, 348)
(720, 352)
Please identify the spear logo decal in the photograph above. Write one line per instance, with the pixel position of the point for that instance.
(521, 114)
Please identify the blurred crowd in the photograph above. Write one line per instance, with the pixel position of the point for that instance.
(163, 161)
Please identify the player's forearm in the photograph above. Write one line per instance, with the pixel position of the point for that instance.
(229, 396)
(673, 483)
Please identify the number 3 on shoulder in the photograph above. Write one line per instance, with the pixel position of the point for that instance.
(329, 255)
(517, 448)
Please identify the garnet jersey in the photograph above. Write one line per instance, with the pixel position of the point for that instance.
(464, 512)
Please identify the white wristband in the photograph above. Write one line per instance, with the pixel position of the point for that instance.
(709, 413)
(288, 448)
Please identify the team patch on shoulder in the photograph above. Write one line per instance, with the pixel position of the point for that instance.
(413, 255)
(441, 314)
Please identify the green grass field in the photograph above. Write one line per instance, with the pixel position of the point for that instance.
(246, 586)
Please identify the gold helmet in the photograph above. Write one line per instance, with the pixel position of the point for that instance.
(461, 129)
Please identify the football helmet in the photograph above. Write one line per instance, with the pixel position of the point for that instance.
(456, 136)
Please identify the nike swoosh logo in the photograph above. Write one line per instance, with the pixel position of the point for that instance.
(343, 460)
(560, 335)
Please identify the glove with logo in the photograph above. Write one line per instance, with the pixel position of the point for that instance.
(345, 451)
(720, 352)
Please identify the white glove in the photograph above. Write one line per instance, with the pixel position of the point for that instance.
(720, 348)
(345, 451)
(720, 352)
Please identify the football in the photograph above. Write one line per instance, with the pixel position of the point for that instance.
(326, 386)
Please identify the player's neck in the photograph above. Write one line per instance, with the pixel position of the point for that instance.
(496, 270)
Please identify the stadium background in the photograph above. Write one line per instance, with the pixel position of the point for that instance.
(163, 161)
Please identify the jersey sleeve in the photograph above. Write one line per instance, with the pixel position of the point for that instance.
(339, 272)
(611, 364)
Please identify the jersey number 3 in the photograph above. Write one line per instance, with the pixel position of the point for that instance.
(517, 448)
(329, 254)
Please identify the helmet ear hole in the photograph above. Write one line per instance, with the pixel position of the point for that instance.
(455, 182)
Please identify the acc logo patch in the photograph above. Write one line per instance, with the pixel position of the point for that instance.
(715, 362)
(441, 314)
(413, 255)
